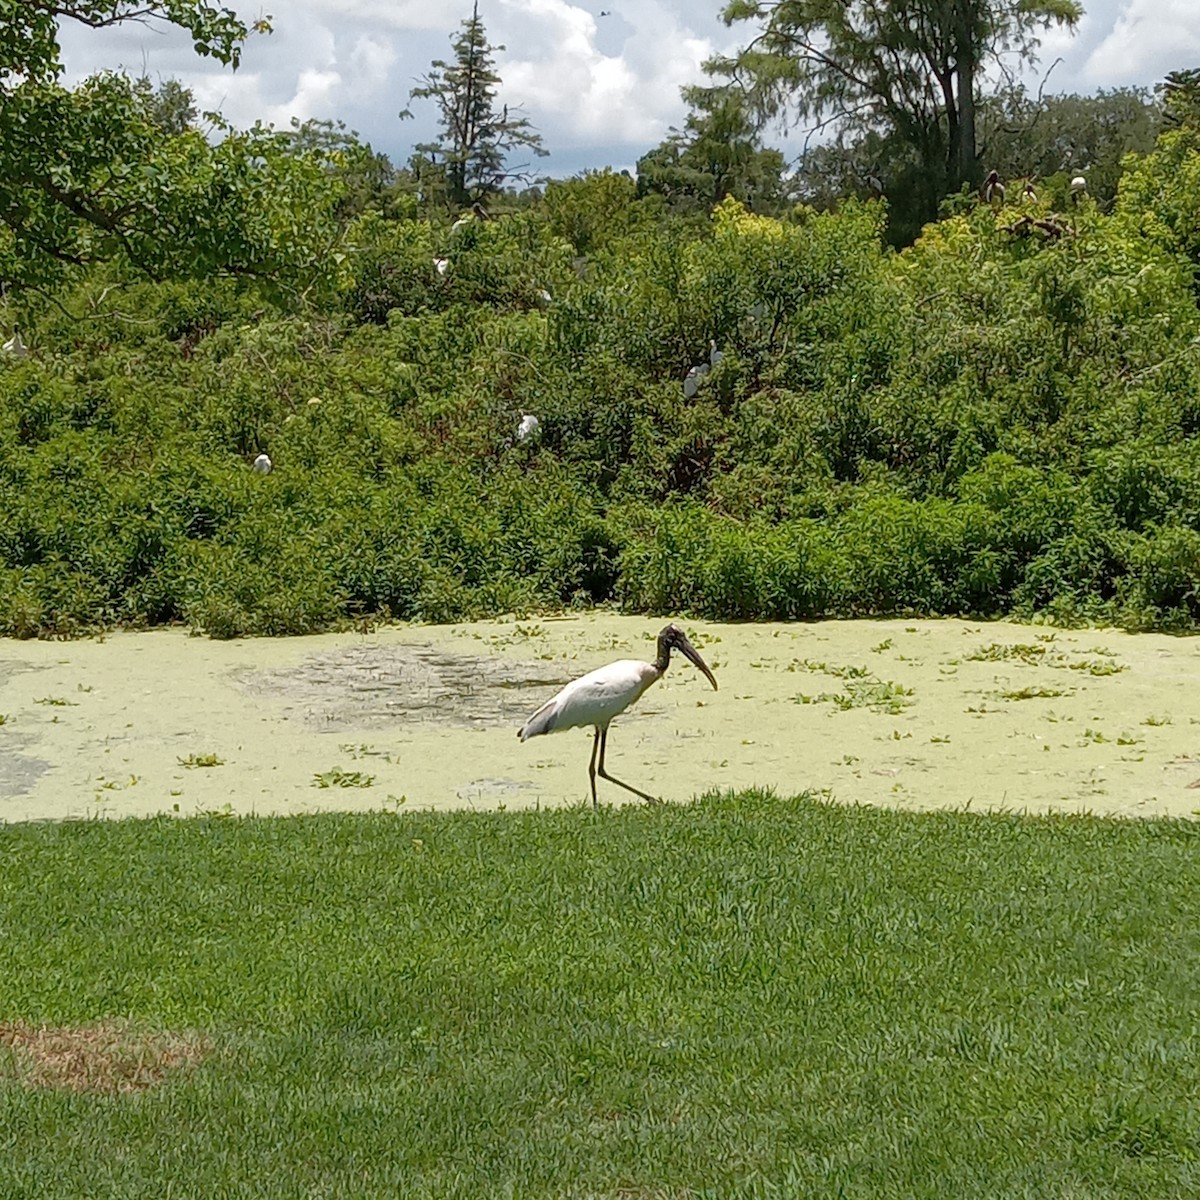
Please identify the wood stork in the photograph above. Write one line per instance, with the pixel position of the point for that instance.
(599, 696)
(992, 189)
(261, 465)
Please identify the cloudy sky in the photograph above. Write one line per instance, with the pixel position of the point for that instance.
(600, 81)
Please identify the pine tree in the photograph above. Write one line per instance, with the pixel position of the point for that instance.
(1180, 95)
(476, 136)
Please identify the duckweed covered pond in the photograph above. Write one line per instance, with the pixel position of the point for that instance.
(914, 714)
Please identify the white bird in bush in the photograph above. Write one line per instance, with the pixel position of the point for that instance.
(1078, 184)
(262, 465)
(16, 345)
(599, 696)
(528, 427)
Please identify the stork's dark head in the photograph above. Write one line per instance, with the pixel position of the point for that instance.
(673, 638)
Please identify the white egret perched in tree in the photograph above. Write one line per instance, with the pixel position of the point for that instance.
(599, 696)
(262, 465)
(1078, 184)
(16, 344)
(528, 427)
(691, 381)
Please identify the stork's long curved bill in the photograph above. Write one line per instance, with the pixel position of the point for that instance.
(693, 656)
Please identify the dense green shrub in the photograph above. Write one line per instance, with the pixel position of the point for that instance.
(994, 421)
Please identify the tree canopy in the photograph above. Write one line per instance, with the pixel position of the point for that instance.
(718, 153)
(1045, 140)
(29, 47)
(909, 69)
(1180, 93)
(112, 169)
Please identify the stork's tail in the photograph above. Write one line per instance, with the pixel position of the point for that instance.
(542, 721)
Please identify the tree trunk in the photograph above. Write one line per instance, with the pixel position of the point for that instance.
(967, 166)
(964, 161)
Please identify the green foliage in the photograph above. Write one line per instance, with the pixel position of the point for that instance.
(29, 30)
(716, 154)
(998, 420)
(911, 74)
(407, 268)
(111, 171)
(1180, 92)
(171, 106)
(1041, 141)
(1158, 195)
(364, 179)
(1052, 138)
(596, 209)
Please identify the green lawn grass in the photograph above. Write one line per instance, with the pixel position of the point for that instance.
(750, 996)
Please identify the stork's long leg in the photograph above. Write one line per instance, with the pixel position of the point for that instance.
(613, 779)
(592, 767)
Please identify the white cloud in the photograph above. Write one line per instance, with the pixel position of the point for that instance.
(392, 14)
(559, 72)
(1148, 39)
(370, 62)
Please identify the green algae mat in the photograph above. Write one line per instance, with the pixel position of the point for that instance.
(909, 714)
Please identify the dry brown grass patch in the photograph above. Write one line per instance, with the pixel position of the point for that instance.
(108, 1057)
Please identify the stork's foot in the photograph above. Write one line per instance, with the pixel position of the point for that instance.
(601, 743)
(649, 799)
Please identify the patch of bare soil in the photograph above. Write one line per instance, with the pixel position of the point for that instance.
(108, 1057)
(374, 687)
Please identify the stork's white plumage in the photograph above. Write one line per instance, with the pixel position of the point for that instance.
(992, 190)
(599, 696)
(594, 698)
(16, 345)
